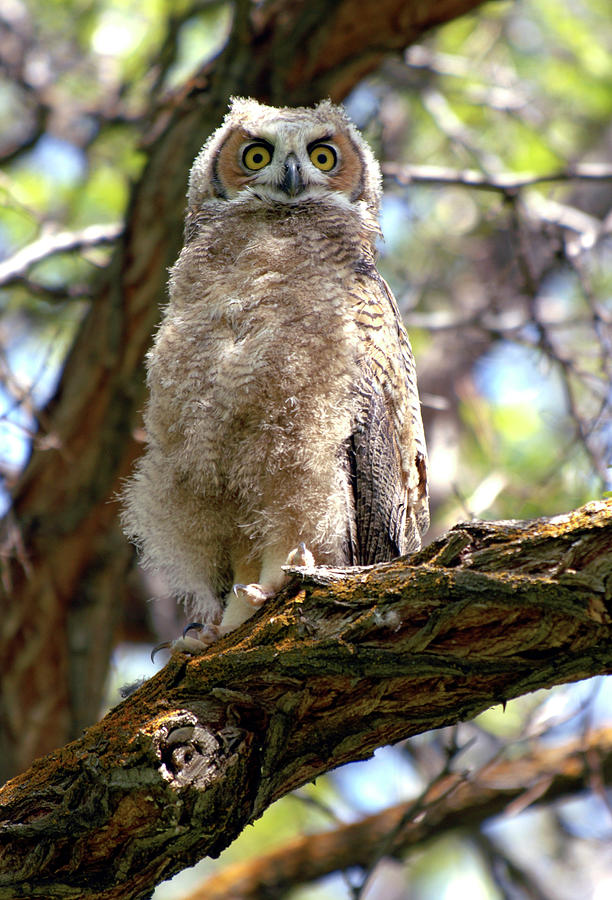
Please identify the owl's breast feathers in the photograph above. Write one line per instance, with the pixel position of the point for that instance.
(303, 364)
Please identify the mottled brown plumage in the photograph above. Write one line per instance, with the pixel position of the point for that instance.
(283, 401)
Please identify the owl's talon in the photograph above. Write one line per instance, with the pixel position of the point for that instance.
(300, 556)
(194, 645)
(187, 644)
(165, 645)
(209, 633)
(253, 594)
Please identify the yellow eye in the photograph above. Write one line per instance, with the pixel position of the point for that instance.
(323, 156)
(256, 156)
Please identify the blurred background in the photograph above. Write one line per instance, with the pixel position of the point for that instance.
(494, 132)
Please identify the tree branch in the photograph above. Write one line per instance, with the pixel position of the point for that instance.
(505, 183)
(542, 775)
(51, 244)
(339, 663)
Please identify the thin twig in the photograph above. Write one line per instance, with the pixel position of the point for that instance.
(505, 183)
(52, 244)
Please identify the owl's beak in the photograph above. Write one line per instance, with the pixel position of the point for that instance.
(292, 183)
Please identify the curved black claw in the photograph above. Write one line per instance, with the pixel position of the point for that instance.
(192, 625)
(187, 644)
(165, 645)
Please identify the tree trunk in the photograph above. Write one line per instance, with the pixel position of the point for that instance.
(336, 665)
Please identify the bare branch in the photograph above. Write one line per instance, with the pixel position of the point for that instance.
(51, 244)
(506, 183)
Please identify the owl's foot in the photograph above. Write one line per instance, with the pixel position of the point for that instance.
(253, 594)
(209, 633)
(300, 556)
(188, 643)
(257, 594)
(245, 599)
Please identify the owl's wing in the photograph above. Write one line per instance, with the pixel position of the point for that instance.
(386, 459)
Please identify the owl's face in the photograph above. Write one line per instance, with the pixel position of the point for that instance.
(287, 156)
(288, 160)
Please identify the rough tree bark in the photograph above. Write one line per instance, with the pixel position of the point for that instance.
(338, 664)
(65, 559)
(454, 801)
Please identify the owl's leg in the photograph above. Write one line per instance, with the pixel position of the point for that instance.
(245, 599)
(300, 556)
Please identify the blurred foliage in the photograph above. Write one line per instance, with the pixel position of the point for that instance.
(513, 88)
(506, 293)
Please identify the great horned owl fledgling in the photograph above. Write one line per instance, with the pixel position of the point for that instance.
(283, 417)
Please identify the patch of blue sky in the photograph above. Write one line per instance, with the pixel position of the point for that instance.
(34, 372)
(587, 818)
(39, 180)
(533, 838)
(371, 785)
(513, 375)
(401, 211)
(130, 663)
(569, 708)
(461, 875)
(35, 365)
(362, 104)
(395, 220)
(57, 159)
(16, 425)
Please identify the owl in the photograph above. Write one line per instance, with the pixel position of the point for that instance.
(283, 421)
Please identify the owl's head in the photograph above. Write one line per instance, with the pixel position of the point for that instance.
(288, 156)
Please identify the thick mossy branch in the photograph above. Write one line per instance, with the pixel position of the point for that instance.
(454, 800)
(339, 663)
